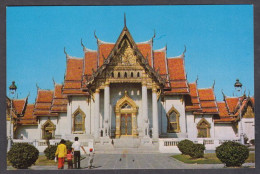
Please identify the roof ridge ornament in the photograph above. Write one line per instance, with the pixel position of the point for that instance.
(184, 51)
(67, 56)
(213, 85)
(224, 96)
(37, 86)
(196, 81)
(53, 81)
(84, 48)
(125, 21)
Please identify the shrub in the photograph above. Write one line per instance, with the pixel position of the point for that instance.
(68, 144)
(50, 152)
(22, 155)
(252, 141)
(232, 153)
(185, 146)
(197, 151)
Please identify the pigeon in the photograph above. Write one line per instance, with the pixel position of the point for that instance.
(120, 159)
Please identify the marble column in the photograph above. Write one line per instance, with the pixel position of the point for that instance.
(145, 110)
(106, 109)
(97, 116)
(155, 113)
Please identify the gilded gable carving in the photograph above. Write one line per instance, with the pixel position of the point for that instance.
(249, 112)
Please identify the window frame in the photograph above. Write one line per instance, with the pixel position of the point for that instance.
(207, 127)
(83, 115)
(169, 127)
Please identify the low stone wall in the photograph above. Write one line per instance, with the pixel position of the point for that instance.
(169, 145)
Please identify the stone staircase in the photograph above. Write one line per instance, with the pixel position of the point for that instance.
(126, 145)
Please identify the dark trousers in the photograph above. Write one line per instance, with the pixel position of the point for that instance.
(76, 159)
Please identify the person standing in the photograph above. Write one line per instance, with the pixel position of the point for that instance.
(76, 150)
(61, 153)
(91, 158)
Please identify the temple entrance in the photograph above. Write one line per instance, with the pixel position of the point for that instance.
(126, 124)
(126, 110)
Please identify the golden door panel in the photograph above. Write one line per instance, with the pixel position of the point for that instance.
(126, 124)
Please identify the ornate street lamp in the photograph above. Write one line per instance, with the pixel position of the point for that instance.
(238, 87)
(12, 90)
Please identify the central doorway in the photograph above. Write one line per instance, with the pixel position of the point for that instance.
(126, 124)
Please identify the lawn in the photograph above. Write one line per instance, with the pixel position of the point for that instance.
(209, 158)
(43, 161)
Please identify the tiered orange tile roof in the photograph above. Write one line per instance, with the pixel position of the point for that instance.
(29, 118)
(177, 74)
(159, 58)
(146, 50)
(43, 103)
(59, 103)
(194, 98)
(104, 50)
(19, 105)
(90, 62)
(73, 77)
(232, 103)
(208, 101)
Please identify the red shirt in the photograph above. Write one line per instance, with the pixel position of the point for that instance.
(69, 156)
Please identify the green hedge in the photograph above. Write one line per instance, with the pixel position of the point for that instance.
(50, 152)
(197, 151)
(232, 153)
(22, 155)
(185, 146)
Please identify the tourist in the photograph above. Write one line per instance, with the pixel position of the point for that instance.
(61, 153)
(91, 158)
(69, 158)
(76, 150)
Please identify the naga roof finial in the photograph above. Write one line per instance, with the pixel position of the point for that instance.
(37, 86)
(197, 79)
(183, 53)
(224, 96)
(154, 34)
(124, 20)
(53, 81)
(213, 85)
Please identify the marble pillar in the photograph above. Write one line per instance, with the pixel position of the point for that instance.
(145, 110)
(106, 109)
(97, 115)
(155, 113)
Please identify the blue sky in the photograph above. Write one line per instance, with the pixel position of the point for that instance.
(219, 41)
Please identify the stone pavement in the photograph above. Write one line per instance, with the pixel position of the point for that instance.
(137, 161)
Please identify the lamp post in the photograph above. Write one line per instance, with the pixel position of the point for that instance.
(238, 87)
(12, 90)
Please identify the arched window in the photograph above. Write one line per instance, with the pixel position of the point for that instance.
(79, 121)
(125, 76)
(112, 74)
(48, 130)
(203, 128)
(132, 74)
(173, 121)
(138, 74)
(118, 74)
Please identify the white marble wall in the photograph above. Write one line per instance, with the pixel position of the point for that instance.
(248, 125)
(179, 105)
(209, 119)
(224, 131)
(28, 132)
(191, 126)
(135, 92)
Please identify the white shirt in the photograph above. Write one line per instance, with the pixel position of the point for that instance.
(76, 146)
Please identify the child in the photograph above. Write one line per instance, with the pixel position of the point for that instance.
(69, 158)
(91, 158)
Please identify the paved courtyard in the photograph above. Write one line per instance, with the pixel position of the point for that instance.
(137, 161)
